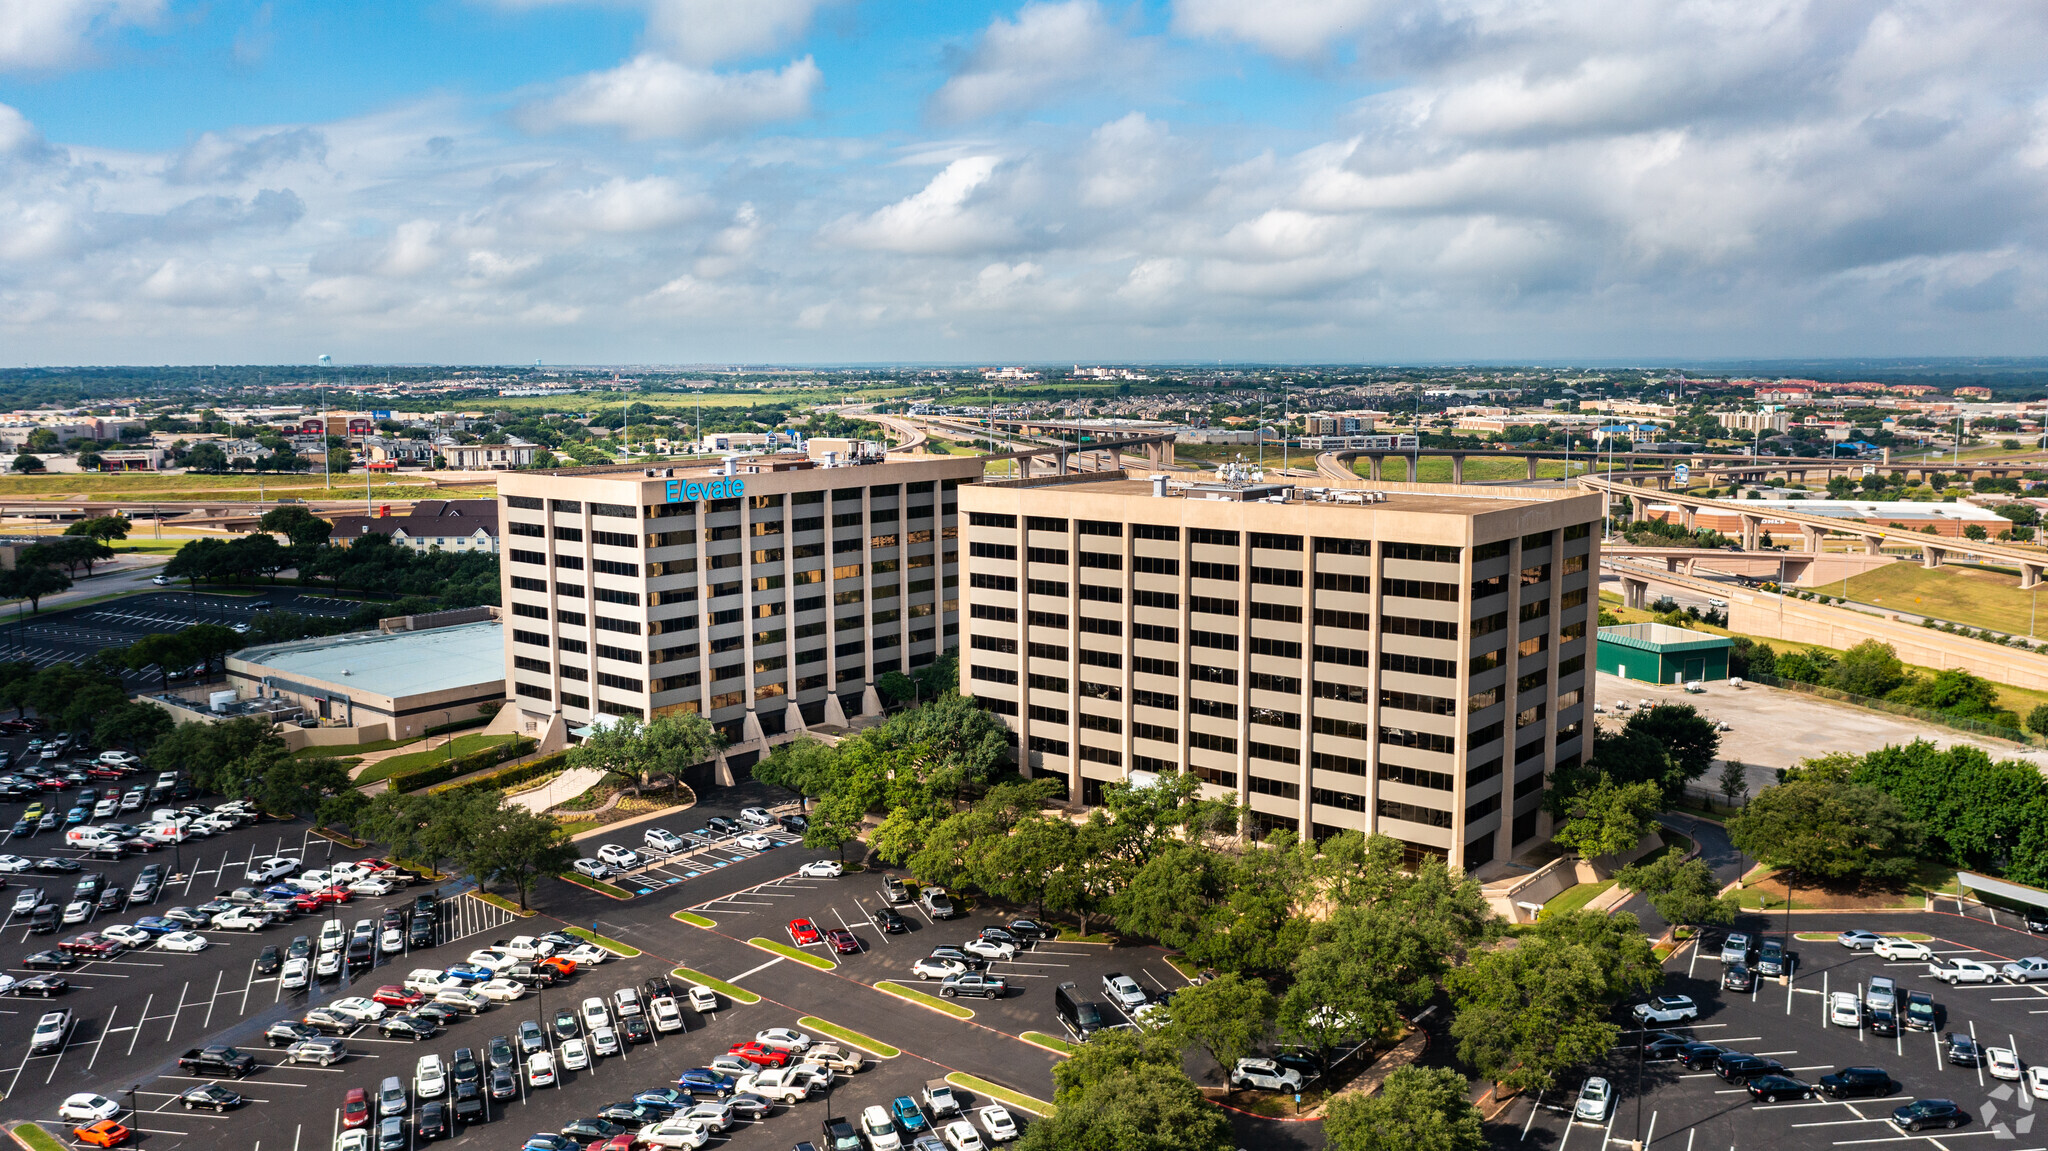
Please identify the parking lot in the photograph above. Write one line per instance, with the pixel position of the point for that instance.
(1664, 1104)
(70, 635)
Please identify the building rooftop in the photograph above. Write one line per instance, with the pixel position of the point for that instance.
(399, 664)
(1662, 637)
(1450, 501)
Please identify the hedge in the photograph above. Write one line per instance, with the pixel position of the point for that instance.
(460, 765)
(517, 773)
(459, 725)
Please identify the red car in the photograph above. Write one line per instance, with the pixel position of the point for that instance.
(623, 1141)
(91, 943)
(843, 941)
(392, 995)
(335, 894)
(373, 864)
(307, 904)
(101, 771)
(54, 784)
(559, 965)
(355, 1110)
(15, 726)
(803, 932)
(759, 1054)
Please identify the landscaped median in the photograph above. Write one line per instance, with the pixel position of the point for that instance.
(623, 949)
(597, 885)
(1829, 936)
(32, 1136)
(1000, 1094)
(913, 995)
(788, 952)
(873, 1047)
(694, 920)
(734, 993)
(1052, 1043)
(503, 904)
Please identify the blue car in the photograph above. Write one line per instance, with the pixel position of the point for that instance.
(908, 1115)
(547, 1141)
(282, 891)
(470, 972)
(705, 1081)
(672, 1098)
(76, 815)
(23, 828)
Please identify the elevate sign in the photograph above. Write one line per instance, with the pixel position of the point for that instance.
(691, 491)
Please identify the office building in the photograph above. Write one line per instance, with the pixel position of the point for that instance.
(1410, 662)
(766, 593)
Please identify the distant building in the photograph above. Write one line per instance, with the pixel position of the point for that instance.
(1758, 421)
(1973, 393)
(513, 453)
(451, 525)
(1660, 653)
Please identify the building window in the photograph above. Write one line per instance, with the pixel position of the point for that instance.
(1411, 664)
(1416, 777)
(1156, 632)
(1199, 569)
(1414, 813)
(1418, 740)
(1410, 701)
(1263, 786)
(1275, 752)
(1164, 600)
(1342, 547)
(1288, 577)
(1047, 746)
(993, 674)
(1223, 743)
(1155, 565)
(1165, 667)
(1094, 754)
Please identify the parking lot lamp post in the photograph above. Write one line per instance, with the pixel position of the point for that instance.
(1638, 1143)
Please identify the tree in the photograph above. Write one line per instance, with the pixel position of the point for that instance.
(1688, 737)
(68, 552)
(136, 725)
(675, 742)
(302, 527)
(1228, 1017)
(1974, 531)
(1121, 1092)
(1735, 781)
(32, 583)
(1682, 891)
(510, 843)
(103, 528)
(1416, 1109)
(207, 752)
(206, 457)
(207, 642)
(164, 650)
(1821, 829)
(1870, 669)
(27, 464)
(283, 785)
(1608, 817)
(1630, 755)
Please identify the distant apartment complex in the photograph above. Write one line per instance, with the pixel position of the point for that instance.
(766, 593)
(1753, 422)
(1411, 663)
(451, 525)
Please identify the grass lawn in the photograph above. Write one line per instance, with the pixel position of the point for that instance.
(503, 904)
(913, 995)
(1576, 897)
(578, 827)
(597, 885)
(333, 749)
(1978, 596)
(37, 1138)
(1763, 892)
(734, 993)
(152, 546)
(788, 952)
(1049, 1042)
(1000, 1093)
(464, 744)
(694, 920)
(625, 949)
(873, 1047)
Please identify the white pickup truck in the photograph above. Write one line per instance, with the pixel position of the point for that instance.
(785, 1085)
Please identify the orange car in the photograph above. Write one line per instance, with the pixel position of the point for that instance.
(105, 1133)
(559, 964)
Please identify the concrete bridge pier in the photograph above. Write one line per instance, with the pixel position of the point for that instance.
(1159, 455)
(1752, 528)
(1931, 556)
(1376, 462)
(2030, 576)
(1531, 460)
(1413, 470)
(1810, 539)
(1635, 592)
(1458, 469)
(1872, 545)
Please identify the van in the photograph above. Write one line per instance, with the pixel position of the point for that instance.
(1883, 994)
(90, 837)
(1081, 1017)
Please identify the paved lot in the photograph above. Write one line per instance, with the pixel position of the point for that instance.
(1672, 1108)
(70, 635)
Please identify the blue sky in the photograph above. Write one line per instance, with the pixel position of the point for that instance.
(683, 181)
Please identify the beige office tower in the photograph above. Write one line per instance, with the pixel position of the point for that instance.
(765, 593)
(1410, 662)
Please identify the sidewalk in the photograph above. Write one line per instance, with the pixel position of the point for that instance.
(566, 786)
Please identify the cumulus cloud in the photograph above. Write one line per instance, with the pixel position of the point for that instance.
(1048, 50)
(941, 218)
(214, 158)
(651, 97)
(709, 31)
(41, 34)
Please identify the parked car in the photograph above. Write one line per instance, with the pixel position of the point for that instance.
(1953, 970)
(1667, 1009)
(1596, 1099)
(1928, 1113)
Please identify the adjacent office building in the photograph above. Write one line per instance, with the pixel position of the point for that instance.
(1412, 663)
(766, 593)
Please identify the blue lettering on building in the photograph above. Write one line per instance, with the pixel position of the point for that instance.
(690, 491)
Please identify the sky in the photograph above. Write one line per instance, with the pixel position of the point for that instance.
(833, 181)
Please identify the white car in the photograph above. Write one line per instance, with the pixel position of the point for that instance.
(501, 990)
(593, 868)
(1667, 1009)
(783, 1039)
(540, 1070)
(491, 958)
(527, 947)
(756, 817)
(595, 1014)
(587, 955)
(1265, 1074)
(626, 1001)
(960, 1135)
(372, 885)
(2037, 1081)
(998, 949)
(667, 1016)
(1124, 990)
(822, 869)
(703, 999)
(85, 1107)
(391, 942)
(14, 863)
(604, 1040)
(1953, 971)
(240, 919)
(619, 857)
(932, 968)
(358, 1008)
(1596, 1099)
(575, 1054)
(997, 1122)
(295, 973)
(167, 833)
(1845, 1009)
(77, 911)
(673, 1133)
(127, 935)
(2025, 970)
(2002, 1062)
(267, 870)
(754, 841)
(430, 1078)
(1894, 948)
(661, 839)
(778, 1085)
(879, 1130)
(314, 880)
(328, 964)
(181, 941)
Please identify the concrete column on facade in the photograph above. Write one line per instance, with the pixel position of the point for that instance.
(1458, 468)
(835, 715)
(1931, 556)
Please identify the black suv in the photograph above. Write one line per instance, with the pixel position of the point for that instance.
(2037, 919)
(1850, 1082)
(1699, 1056)
(1883, 1022)
(1920, 1011)
(1737, 1067)
(1737, 977)
(1771, 960)
(1961, 1050)
(839, 1135)
(1929, 1113)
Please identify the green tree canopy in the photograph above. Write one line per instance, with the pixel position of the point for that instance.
(1228, 1017)
(1415, 1109)
(1682, 891)
(1608, 817)
(1821, 830)
(1869, 669)
(1123, 1092)
(1687, 737)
